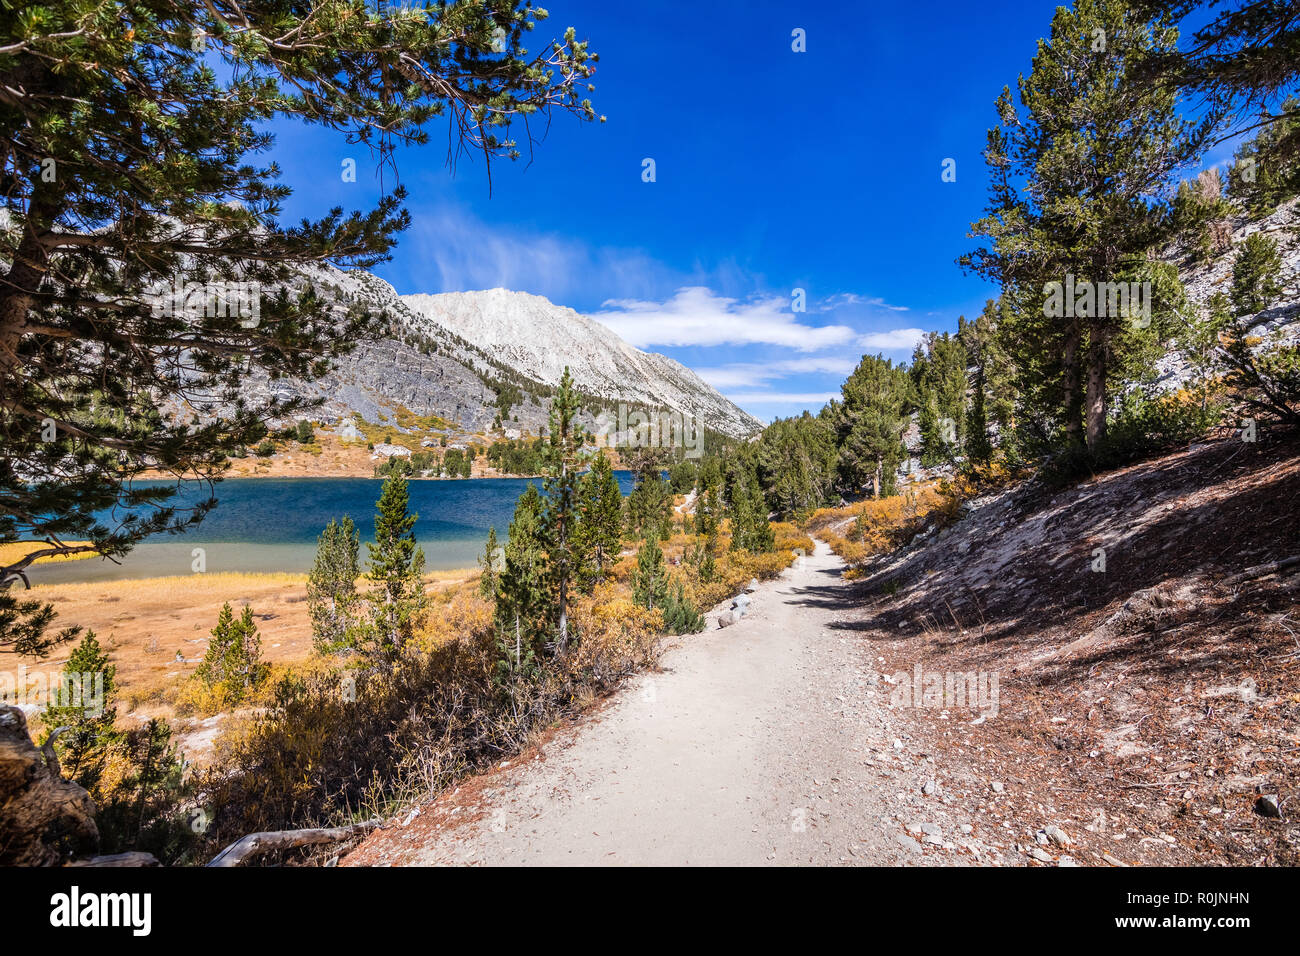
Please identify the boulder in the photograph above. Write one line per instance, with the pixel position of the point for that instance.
(44, 819)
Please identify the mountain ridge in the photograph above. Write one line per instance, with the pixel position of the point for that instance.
(490, 359)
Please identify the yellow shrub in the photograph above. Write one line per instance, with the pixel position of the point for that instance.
(454, 612)
(615, 636)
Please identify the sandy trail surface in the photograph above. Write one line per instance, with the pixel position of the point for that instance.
(762, 743)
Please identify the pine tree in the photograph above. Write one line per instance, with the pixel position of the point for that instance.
(600, 520)
(870, 423)
(560, 515)
(750, 530)
(1077, 173)
(993, 392)
(332, 599)
(130, 168)
(84, 706)
(1245, 52)
(680, 615)
(978, 447)
(795, 463)
(650, 578)
(522, 618)
(1256, 275)
(708, 517)
(397, 599)
(1266, 170)
(650, 503)
(232, 662)
(932, 444)
(1264, 377)
(490, 580)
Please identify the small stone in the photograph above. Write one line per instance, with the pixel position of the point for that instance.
(997, 786)
(1057, 835)
(1267, 806)
(1041, 855)
(967, 828)
(929, 787)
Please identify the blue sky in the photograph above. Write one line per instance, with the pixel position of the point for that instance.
(775, 170)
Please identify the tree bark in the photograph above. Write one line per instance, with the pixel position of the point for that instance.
(44, 819)
(1070, 382)
(1096, 393)
(20, 285)
(255, 844)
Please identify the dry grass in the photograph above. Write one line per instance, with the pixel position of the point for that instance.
(145, 622)
(15, 551)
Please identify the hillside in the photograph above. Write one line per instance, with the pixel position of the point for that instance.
(469, 357)
(1152, 707)
(1202, 280)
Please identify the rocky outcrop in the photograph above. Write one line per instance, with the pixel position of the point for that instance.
(44, 819)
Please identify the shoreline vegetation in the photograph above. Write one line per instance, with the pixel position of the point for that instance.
(330, 457)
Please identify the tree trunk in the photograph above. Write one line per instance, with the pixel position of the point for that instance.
(26, 272)
(257, 843)
(44, 819)
(564, 613)
(1096, 394)
(1070, 382)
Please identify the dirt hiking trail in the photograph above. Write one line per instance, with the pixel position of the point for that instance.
(756, 744)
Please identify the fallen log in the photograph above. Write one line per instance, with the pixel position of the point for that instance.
(1260, 570)
(255, 844)
(130, 858)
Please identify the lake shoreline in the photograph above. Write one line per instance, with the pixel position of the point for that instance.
(264, 524)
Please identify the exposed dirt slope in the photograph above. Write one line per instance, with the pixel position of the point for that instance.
(1150, 705)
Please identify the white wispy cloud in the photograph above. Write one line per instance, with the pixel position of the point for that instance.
(811, 399)
(696, 315)
(893, 339)
(852, 298)
(756, 373)
(459, 252)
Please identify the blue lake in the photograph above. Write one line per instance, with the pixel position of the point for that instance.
(271, 524)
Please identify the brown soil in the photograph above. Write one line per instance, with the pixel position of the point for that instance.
(1144, 708)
